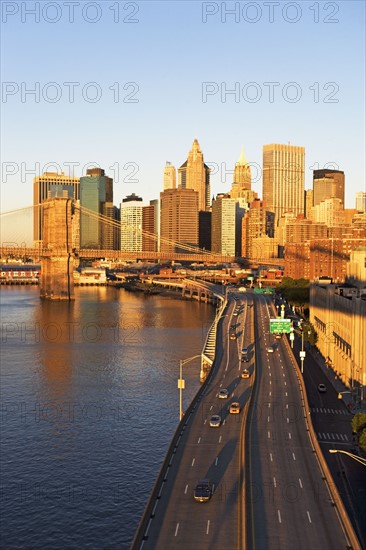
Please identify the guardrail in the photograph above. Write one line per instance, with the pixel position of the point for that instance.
(141, 534)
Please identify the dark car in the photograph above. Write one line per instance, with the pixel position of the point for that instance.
(203, 490)
(322, 388)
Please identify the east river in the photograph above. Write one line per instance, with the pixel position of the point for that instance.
(89, 403)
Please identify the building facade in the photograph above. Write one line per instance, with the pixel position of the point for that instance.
(178, 220)
(131, 223)
(283, 179)
(96, 210)
(223, 225)
(169, 177)
(339, 317)
(328, 184)
(195, 174)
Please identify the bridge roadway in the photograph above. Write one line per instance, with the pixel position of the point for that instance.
(269, 492)
(208, 257)
(206, 452)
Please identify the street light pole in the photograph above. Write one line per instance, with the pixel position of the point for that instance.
(181, 382)
(302, 352)
(355, 457)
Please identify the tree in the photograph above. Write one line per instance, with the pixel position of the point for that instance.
(359, 422)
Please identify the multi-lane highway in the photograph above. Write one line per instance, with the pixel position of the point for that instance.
(288, 502)
(268, 489)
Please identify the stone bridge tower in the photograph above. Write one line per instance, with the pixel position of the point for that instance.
(57, 274)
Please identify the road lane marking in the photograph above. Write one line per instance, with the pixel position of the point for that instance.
(269, 435)
(270, 393)
(216, 461)
(211, 407)
(293, 456)
(176, 529)
(300, 483)
(220, 438)
(285, 383)
(271, 457)
(286, 405)
(267, 418)
(288, 420)
(270, 374)
(309, 518)
(269, 404)
(186, 489)
(199, 439)
(220, 385)
(286, 393)
(274, 482)
(205, 421)
(337, 436)
(279, 516)
(346, 437)
(270, 381)
(208, 526)
(289, 435)
(193, 461)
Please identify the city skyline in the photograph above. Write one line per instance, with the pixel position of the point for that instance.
(245, 83)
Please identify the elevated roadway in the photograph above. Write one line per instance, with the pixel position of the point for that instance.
(269, 488)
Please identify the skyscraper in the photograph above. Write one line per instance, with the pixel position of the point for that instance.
(149, 236)
(178, 219)
(283, 179)
(257, 223)
(242, 178)
(328, 184)
(169, 177)
(195, 174)
(51, 185)
(96, 199)
(223, 225)
(131, 223)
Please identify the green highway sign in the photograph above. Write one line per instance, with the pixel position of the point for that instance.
(279, 325)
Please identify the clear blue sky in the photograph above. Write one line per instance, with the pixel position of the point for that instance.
(169, 52)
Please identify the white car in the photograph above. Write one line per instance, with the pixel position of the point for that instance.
(223, 394)
(215, 421)
(270, 349)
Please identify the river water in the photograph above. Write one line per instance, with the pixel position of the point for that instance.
(89, 403)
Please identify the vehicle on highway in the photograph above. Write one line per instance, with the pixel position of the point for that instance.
(233, 327)
(203, 490)
(322, 388)
(235, 313)
(234, 408)
(223, 394)
(270, 349)
(278, 336)
(245, 373)
(215, 421)
(245, 359)
(232, 336)
(245, 350)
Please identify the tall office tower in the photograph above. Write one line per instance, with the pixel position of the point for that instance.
(328, 184)
(149, 236)
(131, 223)
(223, 225)
(178, 220)
(96, 205)
(242, 178)
(283, 179)
(50, 185)
(169, 177)
(258, 222)
(195, 174)
(361, 201)
(308, 202)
